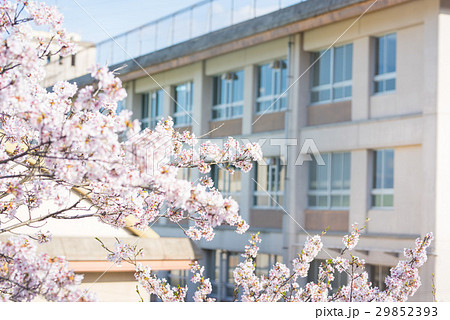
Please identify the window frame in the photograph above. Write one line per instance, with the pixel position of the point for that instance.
(330, 192)
(271, 195)
(227, 106)
(377, 274)
(276, 98)
(182, 278)
(382, 191)
(186, 111)
(152, 118)
(227, 181)
(272, 259)
(384, 76)
(332, 85)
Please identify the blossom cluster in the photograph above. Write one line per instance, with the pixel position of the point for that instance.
(204, 287)
(281, 285)
(159, 287)
(26, 274)
(122, 251)
(350, 241)
(70, 139)
(280, 282)
(66, 140)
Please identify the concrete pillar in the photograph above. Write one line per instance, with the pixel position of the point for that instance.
(168, 101)
(296, 115)
(246, 196)
(249, 99)
(359, 187)
(442, 216)
(134, 100)
(201, 111)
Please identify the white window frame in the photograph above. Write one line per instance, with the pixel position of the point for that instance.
(386, 75)
(332, 85)
(183, 118)
(329, 192)
(271, 195)
(275, 98)
(381, 191)
(229, 104)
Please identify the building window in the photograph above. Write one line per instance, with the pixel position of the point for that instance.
(332, 74)
(220, 267)
(329, 184)
(340, 278)
(269, 184)
(60, 59)
(264, 262)
(184, 174)
(383, 179)
(228, 95)
(73, 60)
(377, 275)
(152, 108)
(121, 105)
(179, 278)
(213, 267)
(272, 82)
(229, 184)
(385, 69)
(183, 104)
(232, 258)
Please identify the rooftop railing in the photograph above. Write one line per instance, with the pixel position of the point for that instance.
(199, 19)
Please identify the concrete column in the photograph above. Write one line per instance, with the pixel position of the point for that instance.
(442, 217)
(296, 115)
(202, 100)
(246, 196)
(249, 99)
(362, 78)
(168, 101)
(134, 101)
(359, 187)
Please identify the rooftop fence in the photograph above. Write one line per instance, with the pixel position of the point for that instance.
(199, 19)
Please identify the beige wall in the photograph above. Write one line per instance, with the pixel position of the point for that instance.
(262, 53)
(408, 177)
(114, 287)
(58, 71)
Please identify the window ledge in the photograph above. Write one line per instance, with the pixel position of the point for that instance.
(374, 209)
(313, 104)
(384, 93)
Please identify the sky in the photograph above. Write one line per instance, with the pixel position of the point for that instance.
(115, 16)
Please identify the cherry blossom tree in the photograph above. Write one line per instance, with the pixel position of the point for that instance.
(71, 140)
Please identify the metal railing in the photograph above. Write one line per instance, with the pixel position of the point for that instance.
(199, 19)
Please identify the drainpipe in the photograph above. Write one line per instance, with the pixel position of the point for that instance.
(287, 181)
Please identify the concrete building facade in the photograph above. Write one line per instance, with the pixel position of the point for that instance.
(62, 68)
(363, 81)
